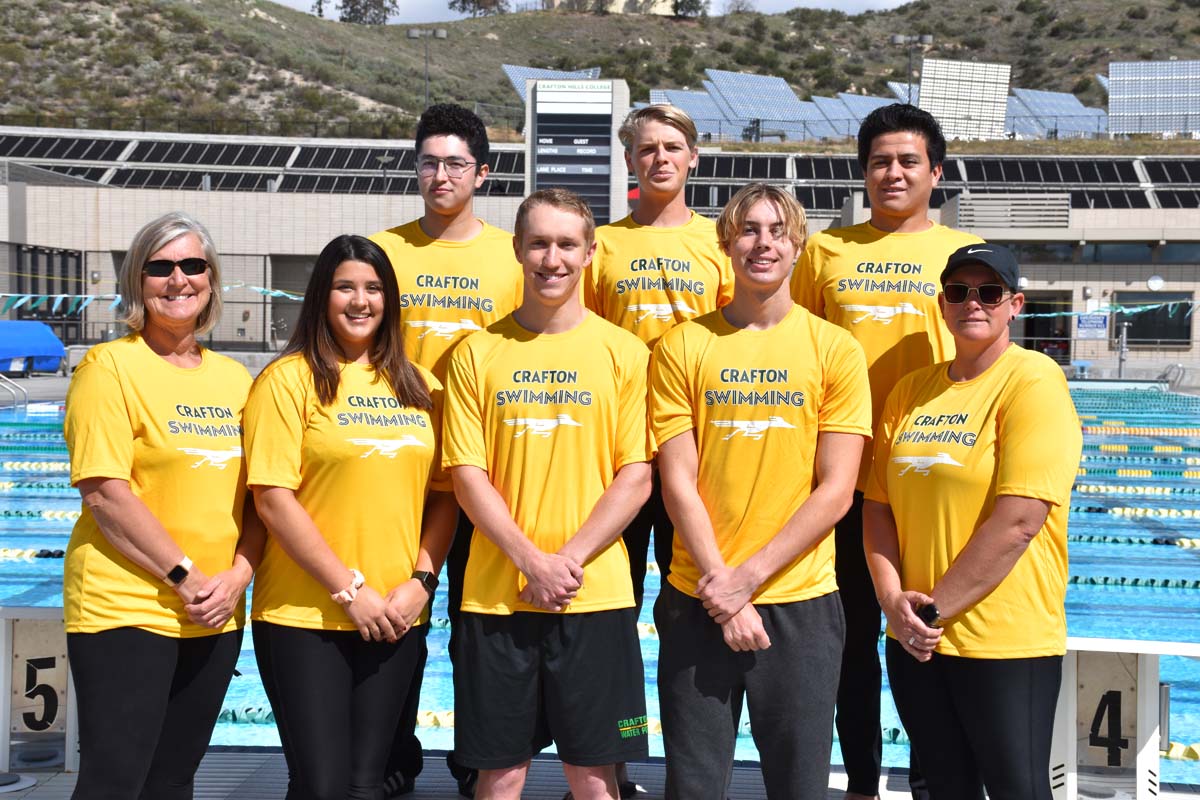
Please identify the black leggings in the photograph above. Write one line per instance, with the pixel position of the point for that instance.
(147, 706)
(977, 722)
(337, 701)
(857, 717)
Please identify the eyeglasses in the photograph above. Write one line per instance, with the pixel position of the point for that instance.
(989, 294)
(162, 267)
(455, 167)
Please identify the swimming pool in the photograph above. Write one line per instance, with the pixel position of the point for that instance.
(1136, 499)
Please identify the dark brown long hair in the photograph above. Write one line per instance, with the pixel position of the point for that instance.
(313, 339)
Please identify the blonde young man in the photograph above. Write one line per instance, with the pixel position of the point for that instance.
(757, 408)
(656, 268)
(457, 275)
(546, 442)
(879, 281)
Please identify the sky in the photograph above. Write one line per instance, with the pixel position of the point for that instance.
(413, 11)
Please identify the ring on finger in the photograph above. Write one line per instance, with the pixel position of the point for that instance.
(911, 640)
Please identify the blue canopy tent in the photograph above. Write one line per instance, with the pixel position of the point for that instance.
(28, 346)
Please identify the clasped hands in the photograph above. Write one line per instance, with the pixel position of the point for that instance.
(387, 618)
(726, 593)
(552, 580)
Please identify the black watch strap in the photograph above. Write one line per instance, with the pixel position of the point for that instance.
(428, 580)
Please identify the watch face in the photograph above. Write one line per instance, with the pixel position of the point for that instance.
(928, 614)
(177, 574)
(427, 579)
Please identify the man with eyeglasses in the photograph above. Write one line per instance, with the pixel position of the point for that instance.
(879, 281)
(457, 274)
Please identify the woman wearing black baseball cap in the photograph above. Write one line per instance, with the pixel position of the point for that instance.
(966, 538)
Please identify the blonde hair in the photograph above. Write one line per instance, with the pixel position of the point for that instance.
(154, 236)
(563, 199)
(665, 113)
(733, 216)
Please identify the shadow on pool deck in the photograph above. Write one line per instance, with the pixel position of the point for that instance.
(260, 774)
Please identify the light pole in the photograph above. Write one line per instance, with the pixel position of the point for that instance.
(384, 160)
(425, 33)
(911, 41)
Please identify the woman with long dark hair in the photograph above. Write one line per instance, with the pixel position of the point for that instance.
(342, 448)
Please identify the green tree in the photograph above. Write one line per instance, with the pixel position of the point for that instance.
(689, 8)
(367, 12)
(479, 8)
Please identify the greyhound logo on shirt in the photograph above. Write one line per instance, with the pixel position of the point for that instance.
(213, 458)
(445, 330)
(661, 311)
(388, 448)
(540, 426)
(884, 314)
(751, 428)
(922, 464)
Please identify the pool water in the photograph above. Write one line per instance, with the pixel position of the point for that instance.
(1133, 501)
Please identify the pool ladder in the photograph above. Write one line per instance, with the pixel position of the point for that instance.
(1173, 375)
(12, 387)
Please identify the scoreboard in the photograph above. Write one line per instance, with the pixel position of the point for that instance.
(571, 133)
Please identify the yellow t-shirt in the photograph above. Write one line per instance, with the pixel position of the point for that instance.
(551, 418)
(449, 289)
(755, 401)
(883, 288)
(361, 468)
(176, 435)
(647, 280)
(943, 452)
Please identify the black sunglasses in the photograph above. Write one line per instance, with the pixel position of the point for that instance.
(989, 294)
(162, 267)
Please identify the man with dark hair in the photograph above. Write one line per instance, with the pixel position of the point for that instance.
(879, 280)
(457, 274)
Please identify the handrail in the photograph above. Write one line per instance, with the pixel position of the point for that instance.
(12, 387)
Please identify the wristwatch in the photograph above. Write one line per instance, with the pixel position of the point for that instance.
(346, 596)
(428, 580)
(930, 616)
(178, 573)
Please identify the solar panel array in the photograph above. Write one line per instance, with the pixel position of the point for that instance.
(1061, 114)
(517, 75)
(822, 182)
(901, 91)
(735, 105)
(239, 164)
(860, 105)
(968, 98)
(1154, 97)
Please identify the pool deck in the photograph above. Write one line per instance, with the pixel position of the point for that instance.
(260, 774)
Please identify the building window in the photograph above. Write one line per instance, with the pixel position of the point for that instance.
(1167, 324)
(1043, 253)
(1123, 253)
(1179, 253)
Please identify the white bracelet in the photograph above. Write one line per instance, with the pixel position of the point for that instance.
(346, 596)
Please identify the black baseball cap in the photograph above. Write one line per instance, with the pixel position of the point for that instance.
(996, 257)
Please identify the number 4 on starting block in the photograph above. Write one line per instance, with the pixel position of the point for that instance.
(1106, 725)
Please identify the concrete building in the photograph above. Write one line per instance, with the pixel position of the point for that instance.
(1102, 240)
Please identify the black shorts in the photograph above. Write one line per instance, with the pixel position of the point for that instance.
(529, 678)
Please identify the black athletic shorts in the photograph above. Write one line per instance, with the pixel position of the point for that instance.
(529, 678)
